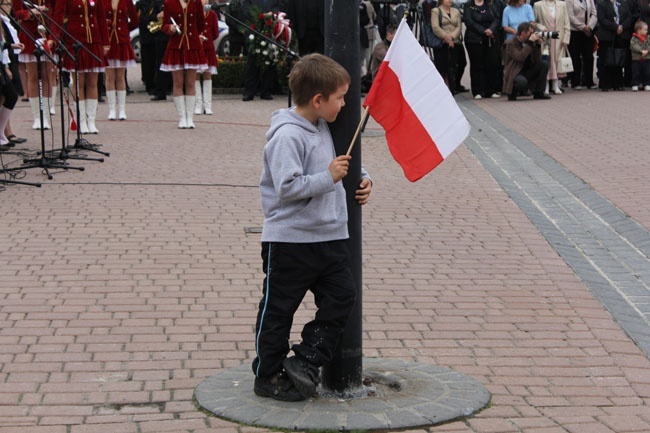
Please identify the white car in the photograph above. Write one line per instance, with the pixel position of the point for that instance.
(221, 45)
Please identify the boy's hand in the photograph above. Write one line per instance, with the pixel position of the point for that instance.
(363, 193)
(339, 167)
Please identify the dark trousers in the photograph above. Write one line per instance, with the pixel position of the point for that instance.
(255, 81)
(534, 77)
(312, 42)
(484, 61)
(609, 77)
(444, 58)
(291, 270)
(461, 64)
(148, 65)
(8, 91)
(640, 73)
(162, 79)
(581, 49)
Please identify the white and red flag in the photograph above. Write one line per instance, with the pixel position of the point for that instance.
(410, 100)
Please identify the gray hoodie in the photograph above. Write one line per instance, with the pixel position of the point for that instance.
(300, 201)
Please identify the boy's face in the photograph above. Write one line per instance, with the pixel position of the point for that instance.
(330, 108)
(643, 30)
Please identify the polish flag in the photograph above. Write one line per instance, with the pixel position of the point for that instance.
(410, 100)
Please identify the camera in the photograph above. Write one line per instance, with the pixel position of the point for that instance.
(548, 35)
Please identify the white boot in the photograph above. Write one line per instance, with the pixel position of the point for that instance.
(33, 103)
(207, 96)
(53, 100)
(179, 101)
(189, 104)
(91, 113)
(110, 98)
(546, 88)
(83, 123)
(121, 104)
(556, 87)
(198, 106)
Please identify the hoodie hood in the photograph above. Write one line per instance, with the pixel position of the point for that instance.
(289, 116)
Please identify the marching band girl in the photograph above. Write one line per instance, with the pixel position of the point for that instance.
(122, 17)
(208, 36)
(86, 22)
(183, 22)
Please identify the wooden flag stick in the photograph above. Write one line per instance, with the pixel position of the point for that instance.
(356, 134)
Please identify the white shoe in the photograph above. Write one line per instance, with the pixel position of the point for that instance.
(83, 124)
(477, 97)
(635, 88)
(121, 104)
(110, 99)
(578, 88)
(179, 101)
(189, 106)
(198, 105)
(495, 95)
(207, 97)
(91, 113)
(647, 88)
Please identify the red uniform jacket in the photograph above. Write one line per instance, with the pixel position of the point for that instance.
(84, 20)
(190, 21)
(30, 22)
(210, 30)
(120, 20)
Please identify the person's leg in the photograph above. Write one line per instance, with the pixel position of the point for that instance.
(120, 85)
(92, 94)
(190, 96)
(111, 96)
(575, 51)
(207, 92)
(22, 70)
(198, 92)
(475, 69)
(178, 80)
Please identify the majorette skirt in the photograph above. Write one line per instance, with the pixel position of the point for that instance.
(120, 55)
(176, 59)
(211, 56)
(86, 63)
(30, 58)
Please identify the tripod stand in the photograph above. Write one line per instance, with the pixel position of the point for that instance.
(43, 161)
(80, 143)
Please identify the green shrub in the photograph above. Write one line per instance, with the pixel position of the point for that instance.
(230, 72)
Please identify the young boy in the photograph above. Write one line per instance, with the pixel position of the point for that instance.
(639, 46)
(304, 234)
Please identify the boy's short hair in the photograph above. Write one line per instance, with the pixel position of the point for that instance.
(314, 74)
(639, 25)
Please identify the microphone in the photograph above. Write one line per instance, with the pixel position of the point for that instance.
(31, 5)
(42, 30)
(218, 6)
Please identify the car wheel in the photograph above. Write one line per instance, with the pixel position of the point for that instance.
(135, 43)
(224, 47)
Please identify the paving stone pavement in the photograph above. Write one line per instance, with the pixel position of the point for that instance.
(123, 286)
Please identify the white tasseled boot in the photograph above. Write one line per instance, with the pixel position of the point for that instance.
(198, 106)
(33, 103)
(207, 96)
(91, 113)
(53, 100)
(83, 122)
(189, 104)
(110, 98)
(179, 101)
(121, 104)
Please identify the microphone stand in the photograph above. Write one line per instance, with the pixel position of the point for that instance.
(64, 152)
(80, 143)
(41, 162)
(291, 55)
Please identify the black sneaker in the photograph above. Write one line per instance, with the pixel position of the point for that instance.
(278, 387)
(303, 375)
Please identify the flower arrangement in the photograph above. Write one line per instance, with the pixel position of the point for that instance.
(276, 27)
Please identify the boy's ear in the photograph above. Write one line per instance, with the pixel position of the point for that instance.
(317, 100)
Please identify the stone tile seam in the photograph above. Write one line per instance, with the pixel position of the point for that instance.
(627, 314)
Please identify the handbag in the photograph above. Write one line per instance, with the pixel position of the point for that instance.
(427, 37)
(564, 63)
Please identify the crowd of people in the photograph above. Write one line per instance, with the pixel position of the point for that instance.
(606, 39)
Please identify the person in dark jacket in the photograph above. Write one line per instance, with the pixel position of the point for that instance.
(523, 65)
(308, 21)
(613, 18)
(482, 21)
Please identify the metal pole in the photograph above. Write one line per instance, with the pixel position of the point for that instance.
(342, 44)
